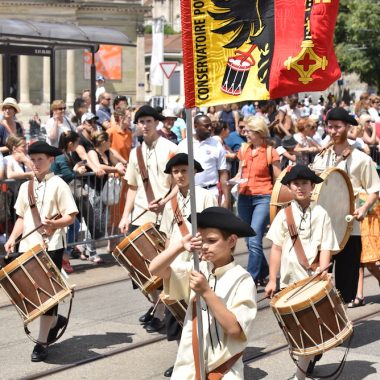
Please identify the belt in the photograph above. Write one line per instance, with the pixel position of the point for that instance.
(210, 186)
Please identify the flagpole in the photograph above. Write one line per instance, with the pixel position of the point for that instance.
(194, 227)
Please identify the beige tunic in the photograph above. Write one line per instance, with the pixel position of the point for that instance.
(53, 196)
(236, 289)
(155, 159)
(360, 168)
(315, 232)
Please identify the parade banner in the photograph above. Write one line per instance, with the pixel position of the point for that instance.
(238, 50)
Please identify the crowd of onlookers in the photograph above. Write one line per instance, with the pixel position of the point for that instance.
(101, 143)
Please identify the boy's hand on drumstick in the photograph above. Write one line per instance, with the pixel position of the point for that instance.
(198, 283)
(48, 226)
(9, 246)
(124, 225)
(270, 289)
(360, 213)
(156, 206)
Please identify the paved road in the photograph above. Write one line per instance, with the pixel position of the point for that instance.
(104, 319)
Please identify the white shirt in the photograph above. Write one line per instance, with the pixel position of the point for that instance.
(63, 127)
(315, 232)
(211, 155)
(235, 288)
(9, 161)
(53, 196)
(360, 169)
(155, 159)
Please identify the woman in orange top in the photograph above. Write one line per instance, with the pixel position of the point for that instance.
(259, 167)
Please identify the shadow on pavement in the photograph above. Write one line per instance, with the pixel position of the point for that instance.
(366, 332)
(80, 347)
(353, 369)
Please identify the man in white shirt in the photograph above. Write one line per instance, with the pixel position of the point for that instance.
(212, 156)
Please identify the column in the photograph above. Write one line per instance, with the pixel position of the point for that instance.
(70, 77)
(24, 79)
(46, 80)
(1, 78)
(140, 65)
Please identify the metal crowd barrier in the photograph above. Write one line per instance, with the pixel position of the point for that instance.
(96, 221)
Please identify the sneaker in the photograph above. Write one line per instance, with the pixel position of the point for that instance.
(66, 266)
(75, 253)
(96, 259)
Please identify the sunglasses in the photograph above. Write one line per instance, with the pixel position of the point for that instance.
(61, 109)
(107, 98)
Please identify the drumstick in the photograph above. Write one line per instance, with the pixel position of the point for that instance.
(308, 282)
(30, 232)
(349, 218)
(142, 213)
(262, 299)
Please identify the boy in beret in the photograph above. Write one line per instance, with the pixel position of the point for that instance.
(154, 152)
(314, 230)
(361, 170)
(176, 212)
(227, 291)
(53, 197)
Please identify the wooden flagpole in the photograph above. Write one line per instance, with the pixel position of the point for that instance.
(194, 227)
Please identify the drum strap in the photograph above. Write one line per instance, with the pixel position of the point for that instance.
(144, 175)
(298, 248)
(32, 203)
(178, 217)
(217, 373)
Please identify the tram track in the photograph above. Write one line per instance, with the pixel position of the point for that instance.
(150, 342)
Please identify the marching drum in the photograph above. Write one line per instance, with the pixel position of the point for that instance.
(33, 284)
(177, 308)
(334, 194)
(136, 252)
(312, 316)
(235, 76)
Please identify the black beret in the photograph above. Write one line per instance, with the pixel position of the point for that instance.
(341, 114)
(45, 148)
(147, 111)
(223, 219)
(181, 159)
(300, 172)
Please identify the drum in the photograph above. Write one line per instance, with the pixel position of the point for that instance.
(136, 252)
(312, 316)
(334, 194)
(33, 284)
(177, 308)
(235, 76)
(370, 232)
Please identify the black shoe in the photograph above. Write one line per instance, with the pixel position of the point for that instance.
(147, 317)
(53, 333)
(39, 353)
(154, 325)
(169, 371)
(310, 368)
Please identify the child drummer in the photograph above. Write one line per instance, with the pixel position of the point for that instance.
(53, 198)
(314, 230)
(227, 294)
(176, 212)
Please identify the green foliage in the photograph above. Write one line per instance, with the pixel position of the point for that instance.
(167, 30)
(357, 38)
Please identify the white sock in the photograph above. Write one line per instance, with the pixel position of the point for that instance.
(303, 362)
(46, 323)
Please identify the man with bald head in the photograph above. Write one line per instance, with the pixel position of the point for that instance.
(212, 156)
(104, 110)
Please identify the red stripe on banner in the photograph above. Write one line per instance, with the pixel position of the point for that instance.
(188, 53)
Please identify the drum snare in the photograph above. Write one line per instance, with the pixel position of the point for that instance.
(136, 252)
(313, 319)
(33, 284)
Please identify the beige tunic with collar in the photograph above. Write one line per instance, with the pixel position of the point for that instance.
(360, 168)
(155, 159)
(236, 289)
(53, 196)
(315, 232)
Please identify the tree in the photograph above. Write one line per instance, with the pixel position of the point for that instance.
(357, 39)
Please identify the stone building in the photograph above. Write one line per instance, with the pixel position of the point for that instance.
(29, 83)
